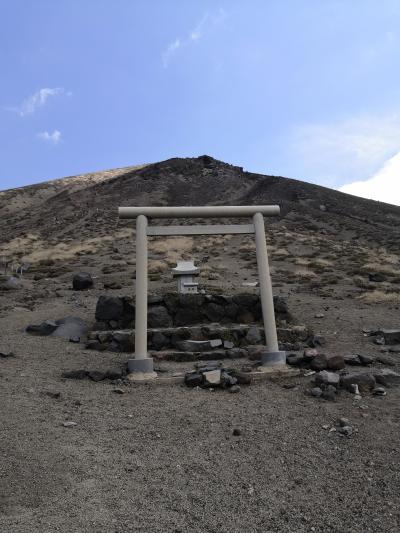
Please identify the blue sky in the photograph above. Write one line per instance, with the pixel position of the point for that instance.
(308, 89)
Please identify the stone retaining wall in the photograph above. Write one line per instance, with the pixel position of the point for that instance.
(171, 310)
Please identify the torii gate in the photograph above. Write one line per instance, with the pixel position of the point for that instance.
(142, 363)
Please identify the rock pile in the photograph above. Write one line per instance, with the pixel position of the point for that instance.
(213, 376)
(327, 384)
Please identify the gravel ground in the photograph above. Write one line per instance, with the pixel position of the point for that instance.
(165, 459)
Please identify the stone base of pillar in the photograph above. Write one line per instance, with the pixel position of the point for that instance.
(273, 358)
(144, 366)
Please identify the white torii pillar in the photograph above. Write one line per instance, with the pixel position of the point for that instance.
(142, 364)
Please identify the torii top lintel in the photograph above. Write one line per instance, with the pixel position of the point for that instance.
(199, 212)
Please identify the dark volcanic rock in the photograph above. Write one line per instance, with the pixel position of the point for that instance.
(387, 377)
(158, 317)
(336, 362)
(82, 281)
(391, 336)
(75, 374)
(319, 362)
(43, 329)
(109, 308)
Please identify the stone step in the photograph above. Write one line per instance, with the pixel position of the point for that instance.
(183, 357)
(198, 338)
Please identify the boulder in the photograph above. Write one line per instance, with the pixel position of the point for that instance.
(329, 393)
(214, 312)
(366, 359)
(391, 336)
(319, 362)
(327, 378)
(159, 340)
(193, 379)
(316, 392)
(316, 340)
(309, 354)
(352, 359)
(387, 377)
(125, 340)
(336, 362)
(82, 281)
(43, 329)
(365, 381)
(158, 317)
(294, 359)
(109, 308)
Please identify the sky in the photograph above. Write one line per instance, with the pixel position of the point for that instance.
(308, 89)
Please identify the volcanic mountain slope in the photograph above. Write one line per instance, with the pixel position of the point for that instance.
(323, 239)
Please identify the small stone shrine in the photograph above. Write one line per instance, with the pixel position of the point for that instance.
(185, 272)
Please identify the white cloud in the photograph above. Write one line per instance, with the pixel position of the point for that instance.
(53, 138)
(353, 148)
(194, 35)
(383, 186)
(169, 52)
(36, 100)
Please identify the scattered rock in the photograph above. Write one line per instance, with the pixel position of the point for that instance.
(118, 391)
(316, 340)
(96, 375)
(352, 359)
(70, 424)
(329, 393)
(236, 432)
(390, 336)
(379, 391)
(294, 359)
(43, 329)
(82, 281)
(212, 377)
(366, 382)
(75, 374)
(234, 389)
(56, 395)
(346, 431)
(316, 392)
(386, 360)
(5, 355)
(380, 340)
(336, 362)
(242, 378)
(194, 379)
(75, 340)
(319, 362)
(343, 422)
(387, 377)
(366, 359)
(327, 378)
(309, 354)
